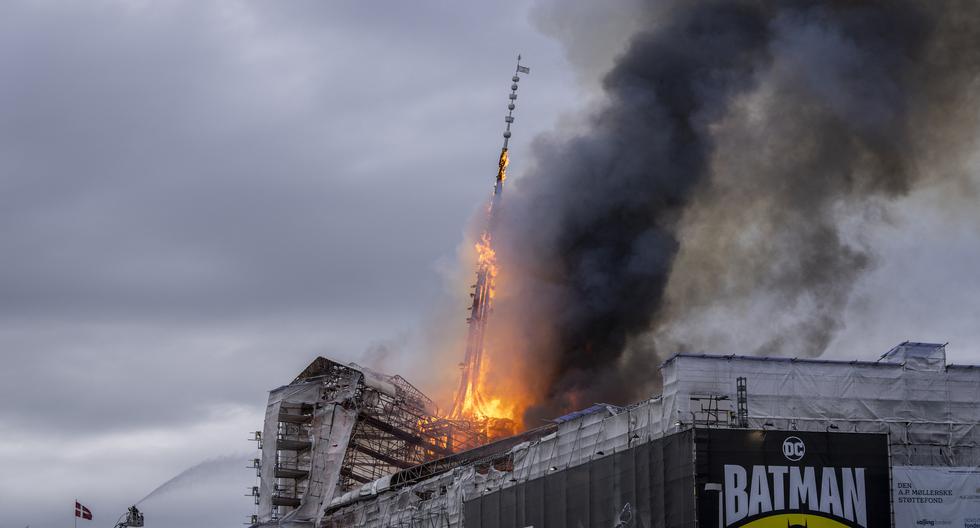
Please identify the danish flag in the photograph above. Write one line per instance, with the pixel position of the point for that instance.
(82, 511)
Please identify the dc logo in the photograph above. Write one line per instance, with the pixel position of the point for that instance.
(793, 449)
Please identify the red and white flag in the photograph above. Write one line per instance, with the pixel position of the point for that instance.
(82, 511)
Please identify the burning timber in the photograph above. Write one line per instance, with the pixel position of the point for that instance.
(732, 440)
(337, 427)
(470, 402)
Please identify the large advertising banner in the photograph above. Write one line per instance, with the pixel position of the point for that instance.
(927, 497)
(791, 479)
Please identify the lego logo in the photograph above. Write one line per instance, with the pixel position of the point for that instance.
(793, 449)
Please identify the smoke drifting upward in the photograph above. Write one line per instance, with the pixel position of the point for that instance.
(741, 148)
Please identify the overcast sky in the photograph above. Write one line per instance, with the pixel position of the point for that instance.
(197, 198)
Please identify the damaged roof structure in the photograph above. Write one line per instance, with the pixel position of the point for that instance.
(337, 427)
(605, 465)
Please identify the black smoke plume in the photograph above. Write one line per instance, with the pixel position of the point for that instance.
(734, 138)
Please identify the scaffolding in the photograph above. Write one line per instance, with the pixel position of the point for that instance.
(743, 401)
(926, 407)
(337, 427)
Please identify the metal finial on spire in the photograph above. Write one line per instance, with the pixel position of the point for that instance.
(513, 97)
(522, 69)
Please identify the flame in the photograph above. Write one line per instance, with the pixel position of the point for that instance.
(486, 258)
(498, 416)
(497, 408)
(477, 406)
(502, 165)
(489, 393)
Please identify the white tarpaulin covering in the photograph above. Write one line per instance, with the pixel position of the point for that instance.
(930, 411)
(302, 392)
(329, 432)
(927, 497)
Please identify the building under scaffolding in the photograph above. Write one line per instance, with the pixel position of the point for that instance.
(731, 441)
(337, 427)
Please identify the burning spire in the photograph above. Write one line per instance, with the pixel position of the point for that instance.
(469, 402)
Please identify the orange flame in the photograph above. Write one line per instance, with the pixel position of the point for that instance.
(481, 407)
(486, 257)
(490, 390)
(502, 166)
(492, 396)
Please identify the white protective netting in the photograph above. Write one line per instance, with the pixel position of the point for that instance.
(928, 408)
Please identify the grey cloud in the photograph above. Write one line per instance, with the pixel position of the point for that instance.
(196, 199)
(180, 163)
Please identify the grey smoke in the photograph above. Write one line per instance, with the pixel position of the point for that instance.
(744, 147)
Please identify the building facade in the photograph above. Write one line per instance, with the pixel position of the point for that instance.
(731, 441)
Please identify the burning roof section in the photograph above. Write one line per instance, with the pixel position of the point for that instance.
(336, 427)
(930, 415)
(346, 445)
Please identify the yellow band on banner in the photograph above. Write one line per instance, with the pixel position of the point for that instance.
(794, 520)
